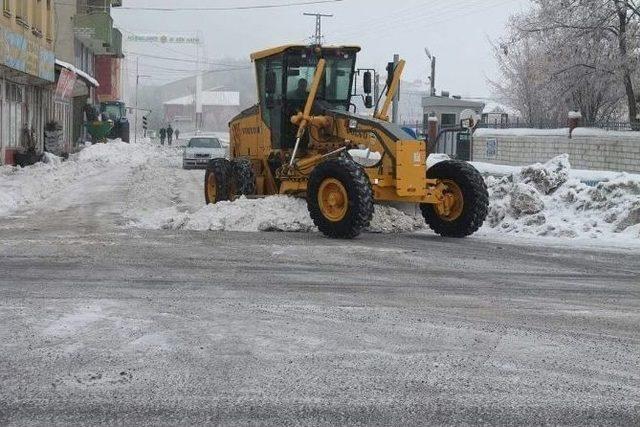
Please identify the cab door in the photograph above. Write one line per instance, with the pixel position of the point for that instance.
(271, 92)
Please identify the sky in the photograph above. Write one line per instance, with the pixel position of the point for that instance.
(457, 32)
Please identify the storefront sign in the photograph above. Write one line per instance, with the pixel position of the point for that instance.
(26, 55)
(162, 38)
(66, 81)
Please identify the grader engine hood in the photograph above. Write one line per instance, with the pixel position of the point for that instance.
(358, 123)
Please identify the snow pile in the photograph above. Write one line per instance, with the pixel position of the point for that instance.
(274, 213)
(26, 187)
(549, 176)
(543, 200)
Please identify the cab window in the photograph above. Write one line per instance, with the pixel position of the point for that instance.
(265, 67)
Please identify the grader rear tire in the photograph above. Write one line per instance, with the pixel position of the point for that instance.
(340, 198)
(217, 181)
(244, 177)
(469, 200)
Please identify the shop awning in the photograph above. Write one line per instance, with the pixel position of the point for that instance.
(91, 81)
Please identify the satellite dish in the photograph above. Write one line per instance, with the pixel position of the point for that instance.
(469, 118)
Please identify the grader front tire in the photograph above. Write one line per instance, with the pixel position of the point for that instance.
(339, 198)
(467, 200)
(217, 181)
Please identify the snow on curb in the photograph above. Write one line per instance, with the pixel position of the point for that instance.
(24, 188)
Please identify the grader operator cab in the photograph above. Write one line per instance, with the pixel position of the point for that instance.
(301, 139)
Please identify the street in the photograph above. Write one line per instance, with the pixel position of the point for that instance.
(104, 324)
(319, 213)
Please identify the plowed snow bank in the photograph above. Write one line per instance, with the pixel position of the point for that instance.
(275, 213)
(542, 200)
(22, 188)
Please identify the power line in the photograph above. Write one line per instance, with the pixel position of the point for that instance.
(191, 61)
(228, 8)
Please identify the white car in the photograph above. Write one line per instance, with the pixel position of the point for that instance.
(199, 150)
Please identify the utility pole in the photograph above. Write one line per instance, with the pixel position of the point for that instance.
(396, 98)
(199, 115)
(135, 126)
(318, 36)
(432, 79)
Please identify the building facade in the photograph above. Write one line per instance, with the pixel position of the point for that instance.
(88, 54)
(27, 73)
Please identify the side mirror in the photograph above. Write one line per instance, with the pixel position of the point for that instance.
(391, 68)
(366, 83)
(270, 83)
(368, 101)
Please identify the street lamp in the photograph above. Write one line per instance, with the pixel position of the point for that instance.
(138, 77)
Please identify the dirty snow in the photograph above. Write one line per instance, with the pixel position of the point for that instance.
(276, 213)
(542, 200)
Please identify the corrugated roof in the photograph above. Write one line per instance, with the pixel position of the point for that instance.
(212, 98)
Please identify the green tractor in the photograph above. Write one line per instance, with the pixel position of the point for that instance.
(116, 111)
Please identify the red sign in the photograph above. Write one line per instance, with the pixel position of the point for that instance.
(66, 82)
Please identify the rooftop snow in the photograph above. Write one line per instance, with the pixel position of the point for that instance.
(78, 72)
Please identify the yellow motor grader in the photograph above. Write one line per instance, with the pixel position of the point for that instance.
(302, 140)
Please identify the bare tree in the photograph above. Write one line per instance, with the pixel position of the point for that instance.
(581, 54)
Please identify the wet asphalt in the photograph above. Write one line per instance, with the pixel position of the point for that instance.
(101, 325)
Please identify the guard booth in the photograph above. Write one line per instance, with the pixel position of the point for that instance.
(454, 139)
(454, 142)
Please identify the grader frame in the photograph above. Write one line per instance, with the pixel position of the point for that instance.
(269, 158)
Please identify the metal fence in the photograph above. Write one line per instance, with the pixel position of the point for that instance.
(607, 125)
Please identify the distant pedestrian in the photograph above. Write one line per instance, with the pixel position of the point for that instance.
(163, 135)
(177, 133)
(169, 134)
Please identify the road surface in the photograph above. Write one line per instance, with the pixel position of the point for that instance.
(102, 324)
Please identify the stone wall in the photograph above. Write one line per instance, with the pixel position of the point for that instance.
(593, 149)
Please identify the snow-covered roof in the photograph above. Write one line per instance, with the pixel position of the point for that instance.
(89, 79)
(446, 102)
(215, 98)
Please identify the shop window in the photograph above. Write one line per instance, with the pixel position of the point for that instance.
(448, 120)
(13, 114)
